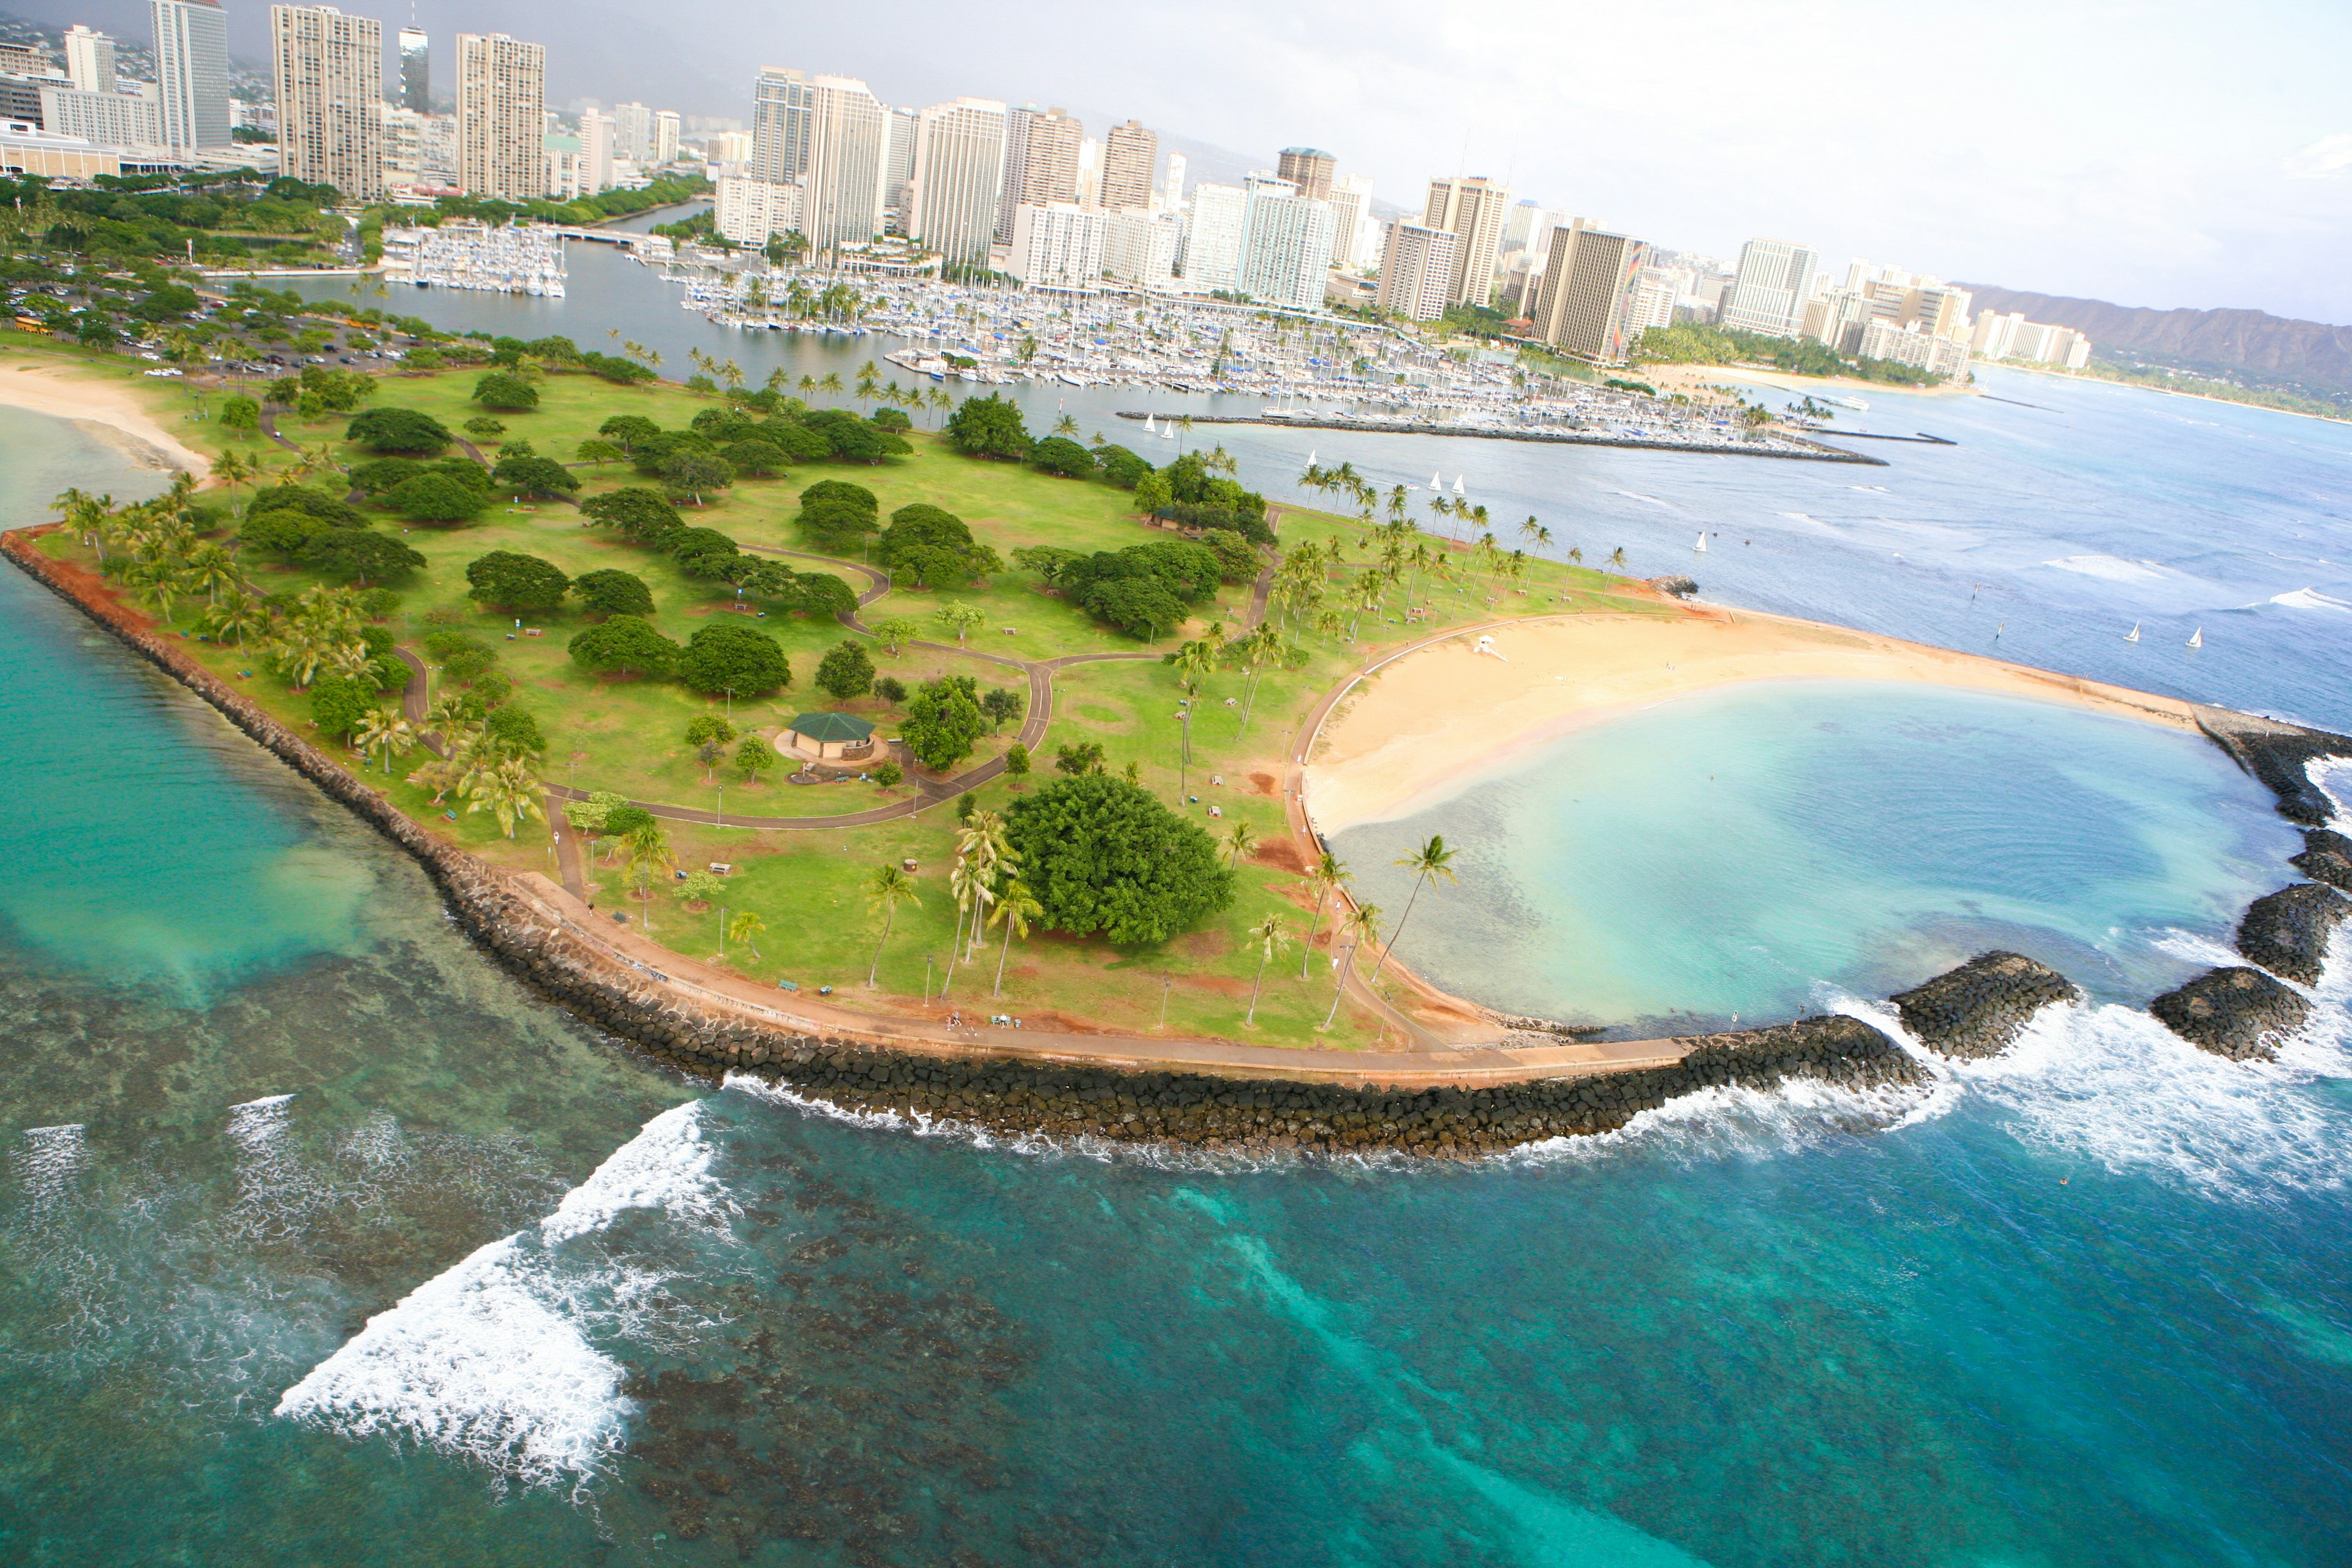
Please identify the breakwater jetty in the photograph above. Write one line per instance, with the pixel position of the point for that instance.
(1377, 425)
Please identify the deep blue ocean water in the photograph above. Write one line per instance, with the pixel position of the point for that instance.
(321, 1241)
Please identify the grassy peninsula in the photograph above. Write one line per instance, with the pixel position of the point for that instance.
(514, 528)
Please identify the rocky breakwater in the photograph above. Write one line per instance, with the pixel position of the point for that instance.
(2238, 1013)
(2286, 932)
(2327, 858)
(1979, 1008)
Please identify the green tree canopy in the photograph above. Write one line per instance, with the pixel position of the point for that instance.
(990, 426)
(1060, 455)
(534, 475)
(697, 473)
(608, 592)
(943, 719)
(436, 497)
(626, 430)
(361, 555)
(927, 547)
(402, 430)
(624, 645)
(501, 390)
(642, 515)
(514, 580)
(1103, 855)
(846, 671)
(732, 658)
(757, 457)
(384, 473)
(1121, 467)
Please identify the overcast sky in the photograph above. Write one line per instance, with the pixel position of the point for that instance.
(2148, 152)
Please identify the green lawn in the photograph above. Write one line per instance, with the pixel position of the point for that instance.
(809, 885)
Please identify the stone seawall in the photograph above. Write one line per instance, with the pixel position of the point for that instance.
(999, 1091)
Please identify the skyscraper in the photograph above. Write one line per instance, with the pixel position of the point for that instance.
(1417, 268)
(779, 126)
(1769, 295)
(415, 72)
(90, 59)
(1017, 118)
(849, 136)
(1309, 168)
(1130, 155)
(1286, 246)
(1050, 173)
(191, 73)
(898, 170)
(633, 132)
(330, 76)
(1589, 282)
(958, 179)
(1213, 232)
(665, 129)
(501, 117)
(1475, 208)
(599, 146)
(1351, 203)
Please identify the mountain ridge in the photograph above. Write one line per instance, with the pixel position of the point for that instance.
(2280, 348)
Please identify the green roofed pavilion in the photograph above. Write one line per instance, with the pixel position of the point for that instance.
(829, 735)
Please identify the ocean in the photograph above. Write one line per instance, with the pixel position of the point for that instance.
(321, 1240)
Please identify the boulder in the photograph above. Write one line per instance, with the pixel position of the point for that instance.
(2238, 1013)
(1675, 585)
(1978, 1009)
(2287, 931)
(2327, 858)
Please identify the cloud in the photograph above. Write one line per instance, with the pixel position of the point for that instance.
(2329, 158)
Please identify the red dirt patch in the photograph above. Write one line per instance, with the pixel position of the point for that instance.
(1283, 855)
(1264, 783)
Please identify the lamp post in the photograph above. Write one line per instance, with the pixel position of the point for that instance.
(1167, 984)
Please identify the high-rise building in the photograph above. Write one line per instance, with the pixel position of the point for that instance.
(1655, 290)
(1528, 226)
(1475, 208)
(1050, 173)
(1130, 155)
(748, 211)
(781, 102)
(191, 74)
(1768, 293)
(958, 179)
(1589, 282)
(1090, 160)
(1352, 204)
(1417, 267)
(1286, 246)
(1309, 168)
(330, 76)
(899, 171)
(104, 119)
(1016, 166)
(1171, 193)
(415, 72)
(89, 60)
(1213, 231)
(633, 132)
(849, 144)
(665, 129)
(501, 117)
(728, 147)
(1057, 242)
(1140, 246)
(599, 140)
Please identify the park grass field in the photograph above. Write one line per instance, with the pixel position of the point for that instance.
(808, 886)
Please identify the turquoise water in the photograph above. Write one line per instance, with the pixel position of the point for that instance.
(1755, 850)
(319, 1241)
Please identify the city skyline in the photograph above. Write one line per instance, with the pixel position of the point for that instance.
(2036, 169)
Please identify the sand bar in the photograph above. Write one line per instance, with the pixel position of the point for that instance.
(73, 393)
(1434, 718)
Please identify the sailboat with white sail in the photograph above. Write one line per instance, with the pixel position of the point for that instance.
(1701, 545)
(2133, 634)
(2197, 637)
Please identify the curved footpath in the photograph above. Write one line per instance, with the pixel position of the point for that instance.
(1455, 1103)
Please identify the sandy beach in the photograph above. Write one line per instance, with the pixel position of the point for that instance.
(73, 393)
(1434, 718)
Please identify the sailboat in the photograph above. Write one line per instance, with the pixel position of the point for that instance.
(1311, 459)
(2197, 637)
(1457, 484)
(1701, 545)
(1436, 483)
(2133, 634)
(1149, 427)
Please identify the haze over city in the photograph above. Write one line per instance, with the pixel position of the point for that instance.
(2167, 154)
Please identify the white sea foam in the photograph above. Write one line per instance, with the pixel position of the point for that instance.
(2333, 777)
(2310, 599)
(1653, 501)
(2115, 569)
(494, 1359)
(48, 1163)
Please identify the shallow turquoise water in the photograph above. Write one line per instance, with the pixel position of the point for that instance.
(487, 1290)
(1749, 851)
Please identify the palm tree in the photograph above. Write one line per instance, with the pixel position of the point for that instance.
(1271, 936)
(1065, 425)
(508, 791)
(381, 727)
(209, 570)
(1617, 556)
(648, 848)
(831, 384)
(746, 928)
(1362, 924)
(1329, 874)
(236, 613)
(868, 378)
(1239, 842)
(808, 382)
(890, 888)
(1432, 860)
(1016, 909)
(232, 468)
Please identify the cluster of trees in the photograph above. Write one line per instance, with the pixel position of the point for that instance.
(1691, 343)
(1101, 853)
(726, 656)
(723, 444)
(925, 547)
(1144, 590)
(993, 427)
(1198, 491)
(666, 191)
(296, 523)
(645, 517)
(226, 216)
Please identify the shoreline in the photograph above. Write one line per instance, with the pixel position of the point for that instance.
(65, 390)
(1411, 733)
(1821, 454)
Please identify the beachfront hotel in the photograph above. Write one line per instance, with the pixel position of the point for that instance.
(330, 74)
(1590, 283)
